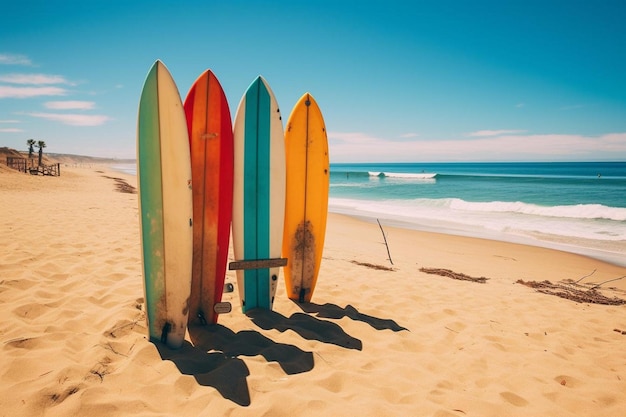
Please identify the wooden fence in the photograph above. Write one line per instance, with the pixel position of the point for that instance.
(28, 165)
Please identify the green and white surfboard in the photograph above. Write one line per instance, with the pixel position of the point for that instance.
(165, 206)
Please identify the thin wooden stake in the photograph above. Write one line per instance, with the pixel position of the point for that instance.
(385, 238)
(606, 282)
(586, 276)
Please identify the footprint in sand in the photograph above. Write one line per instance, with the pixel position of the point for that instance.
(514, 399)
(23, 343)
(31, 311)
(20, 284)
(450, 312)
(567, 381)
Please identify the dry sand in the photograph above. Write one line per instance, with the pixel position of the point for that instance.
(378, 339)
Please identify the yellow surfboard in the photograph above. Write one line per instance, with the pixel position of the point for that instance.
(306, 207)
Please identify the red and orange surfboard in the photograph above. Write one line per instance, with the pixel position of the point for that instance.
(211, 146)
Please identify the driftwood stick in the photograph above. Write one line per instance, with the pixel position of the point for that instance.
(606, 282)
(385, 239)
(586, 276)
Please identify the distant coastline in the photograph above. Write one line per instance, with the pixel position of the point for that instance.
(63, 158)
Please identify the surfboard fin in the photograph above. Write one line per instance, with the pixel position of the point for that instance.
(202, 318)
(166, 329)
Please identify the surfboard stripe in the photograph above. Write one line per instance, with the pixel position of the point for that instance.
(151, 195)
(257, 190)
(264, 186)
(250, 193)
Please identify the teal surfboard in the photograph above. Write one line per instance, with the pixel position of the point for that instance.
(259, 195)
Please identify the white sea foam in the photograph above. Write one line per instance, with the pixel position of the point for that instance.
(584, 221)
(578, 211)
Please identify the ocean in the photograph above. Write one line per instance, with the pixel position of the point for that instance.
(574, 206)
(578, 207)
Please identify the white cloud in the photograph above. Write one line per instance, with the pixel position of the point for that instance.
(70, 105)
(7, 59)
(495, 132)
(25, 92)
(35, 79)
(9, 121)
(359, 147)
(10, 130)
(73, 119)
(409, 135)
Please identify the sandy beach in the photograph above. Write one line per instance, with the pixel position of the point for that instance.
(379, 339)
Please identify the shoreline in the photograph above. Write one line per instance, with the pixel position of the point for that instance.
(381, 337)
(549, 241)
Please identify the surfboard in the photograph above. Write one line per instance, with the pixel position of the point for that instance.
(258, 196)
(306, 207)
(211, 145)
(165, 206)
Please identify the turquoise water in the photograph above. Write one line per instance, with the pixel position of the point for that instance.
(580, 207)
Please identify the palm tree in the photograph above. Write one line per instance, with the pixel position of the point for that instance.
(31, 144)
(41, 144)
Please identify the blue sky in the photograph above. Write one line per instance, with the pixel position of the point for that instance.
(396, 80)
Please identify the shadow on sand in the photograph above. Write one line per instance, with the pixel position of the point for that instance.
(333, 311)
(213, 359)
(308, 327)
(213, 369)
